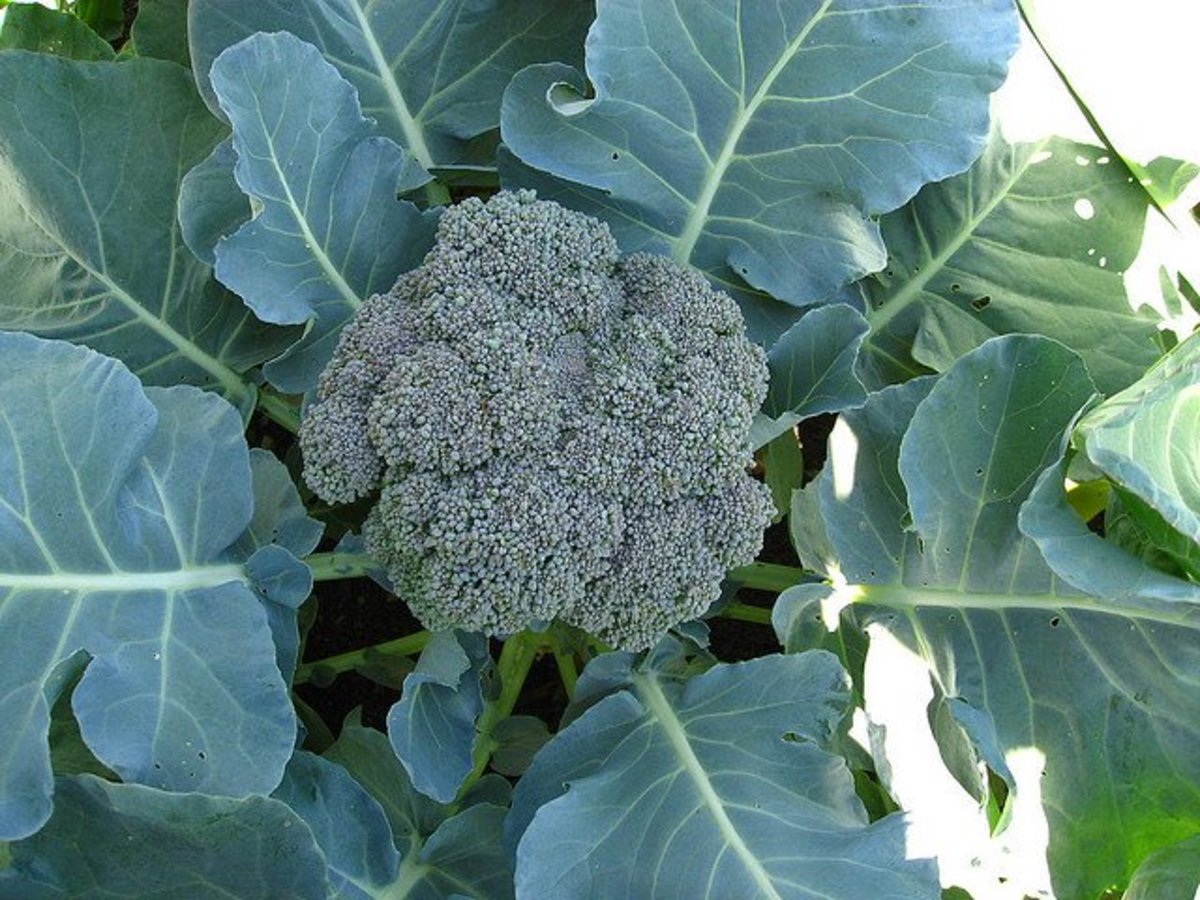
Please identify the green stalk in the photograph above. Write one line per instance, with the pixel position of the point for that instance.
(767, 577)
(743, 612)
(279, 410)
(334, 566)
(348, 662)
(567, 670)
(512, 668)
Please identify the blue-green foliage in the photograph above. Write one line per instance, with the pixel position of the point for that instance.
(535, 422)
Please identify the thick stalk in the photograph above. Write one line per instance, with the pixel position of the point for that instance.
(743, 612)
(767, 577)
(516, 658)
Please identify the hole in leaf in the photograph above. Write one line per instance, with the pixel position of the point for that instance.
(202, 755)
(981, 303)
(1055, 621)
(979, 471)
(955, 288)
(616, 156)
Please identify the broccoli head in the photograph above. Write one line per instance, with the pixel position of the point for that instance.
(553, 430)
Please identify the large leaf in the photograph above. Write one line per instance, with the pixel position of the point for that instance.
(756, 140)
(429, 72)
(921, 505)
(115, 840)
(122, 512)
(160, 30)
(329, 230)
(1033, 238)
(718, 786)
(432, 726)
(91, 156)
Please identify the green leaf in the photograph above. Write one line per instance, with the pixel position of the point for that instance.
(42, 30)
(90, 249)
(813, 369)
(211, 204)
(1090, 701)
(432, 726)
(121, 513)
(121, 840)
(1034, 238)
(1146, 438)
(160, 30)
(329, 231)
(105, 17)
(444, 853)
(430, 73)
(347, 824)
(721, 784)
(784, 465)
(1172, 873)
(755, 141)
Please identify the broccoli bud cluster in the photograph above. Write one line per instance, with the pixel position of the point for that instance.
(554, 431)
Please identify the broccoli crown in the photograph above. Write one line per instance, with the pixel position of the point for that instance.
(554, 431)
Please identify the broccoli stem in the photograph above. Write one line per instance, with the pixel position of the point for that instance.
(334, 565)
(567, 668)
(767, 577)
(743, 612)
(410, 645)
(512, 668)
(279, 410)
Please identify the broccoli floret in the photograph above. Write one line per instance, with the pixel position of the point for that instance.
(554, 431)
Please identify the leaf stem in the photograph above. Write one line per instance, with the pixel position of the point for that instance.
(279, 410)
(512, 668)
(334, 566)
(437, 194)
(767, 577)
(567, 669)
(409, 645)
(744, 612)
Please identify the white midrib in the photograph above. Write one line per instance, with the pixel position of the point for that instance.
(905, 598)
(896, 304)
(229, 380)
(310, 240)
(656, 702)
(698, 217)
(408, 123)
(92, 582)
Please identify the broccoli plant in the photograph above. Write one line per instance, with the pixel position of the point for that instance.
(632, 448)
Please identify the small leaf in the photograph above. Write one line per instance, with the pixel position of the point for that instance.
(813, 368)
(328, 231)
(28, 26)
(432, 727)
